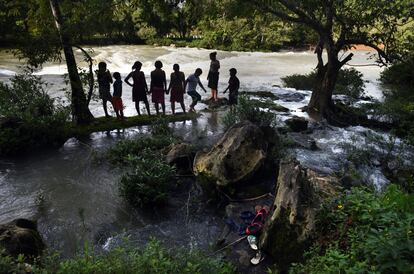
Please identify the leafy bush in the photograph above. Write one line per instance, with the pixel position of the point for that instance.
(149, 181)
(152, 259)
(349, 82)
(247, 110)
(29, 118)
(399, 74)
(364, 232)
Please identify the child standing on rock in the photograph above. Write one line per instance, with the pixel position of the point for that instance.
(191, 84)
(234, 85)
(104, 82)
(117, 96)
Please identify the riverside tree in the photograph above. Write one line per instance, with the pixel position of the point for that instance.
(340, 24)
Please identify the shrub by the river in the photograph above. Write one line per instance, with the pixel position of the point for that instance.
(364, 232)
(349, 82)
(149, 180)
(153, 259)
(247, 110)
(29, 118)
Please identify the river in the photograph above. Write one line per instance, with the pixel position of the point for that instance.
(75, 199)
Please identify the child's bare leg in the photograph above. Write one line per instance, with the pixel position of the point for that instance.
(137, 107)
(157, 108)
(163, 108)
(173, 107)
(105, 108)
(147, 107)
(182, 106)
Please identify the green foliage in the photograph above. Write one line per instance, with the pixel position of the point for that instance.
(30, 118)
(149, 181)
(247, 110)
(349, 82)
(364, 232)
(399, 74)
(152, 259)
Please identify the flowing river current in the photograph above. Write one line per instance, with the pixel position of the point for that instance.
(76, 199)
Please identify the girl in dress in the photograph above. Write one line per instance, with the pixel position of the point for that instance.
(158, 87)
(104, 83)
(177, 83)
(139, 86)
(213, 75)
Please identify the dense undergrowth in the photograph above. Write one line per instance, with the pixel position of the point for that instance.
(153, 259)
(29, 117)
(349, 82)
(364, 231)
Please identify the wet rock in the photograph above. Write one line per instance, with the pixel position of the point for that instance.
(182, 156)
(297, 124)
(269, 104)
(291, 227)
(291, 97)
(303, 140)
(236, 156)
(261, 94)
(215, 104)
(21, 237)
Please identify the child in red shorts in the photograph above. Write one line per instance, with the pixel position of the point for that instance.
(116, 97)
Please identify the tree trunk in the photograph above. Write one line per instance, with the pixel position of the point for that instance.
(80, 111)
(321, 105)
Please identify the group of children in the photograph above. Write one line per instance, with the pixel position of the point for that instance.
(158, 87)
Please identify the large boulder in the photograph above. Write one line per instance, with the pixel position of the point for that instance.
(181, 156)
(21, 237)
(236, 156)
(297, 124)
(299, 196)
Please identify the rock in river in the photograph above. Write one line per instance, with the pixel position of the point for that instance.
(291, 227)
(236, 156)
(297, 124)
(182, 156)
(21, 237)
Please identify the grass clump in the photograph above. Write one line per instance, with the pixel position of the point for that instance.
(247, 110)
(153, 259)
(349, 82)
(148, 181)
(29, 118)
(364, 232)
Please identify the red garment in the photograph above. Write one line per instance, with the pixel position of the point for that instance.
(157, 95)
(177, 95)
(117, 102)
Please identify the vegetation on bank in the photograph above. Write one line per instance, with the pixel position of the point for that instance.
(363, 231)
(349, 82)
(153, 259)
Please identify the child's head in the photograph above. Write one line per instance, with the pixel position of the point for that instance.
(176, 67)
(158, 64)
(102, 66)
(117, 76)
(233, 72)
(198, 72)
(213, 56)
(137, 65)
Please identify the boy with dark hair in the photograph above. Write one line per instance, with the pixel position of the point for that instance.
(117, 96)
(191, 84)
(234, 85)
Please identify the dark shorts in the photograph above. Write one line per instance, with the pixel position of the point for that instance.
(233, 99)
(194, 95)
(213, 79)
(105, 94)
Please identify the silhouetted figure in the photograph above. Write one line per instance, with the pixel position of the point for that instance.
(213, 75)
(234, 85)
(104, 82)
(191, 83)
(158, 87)
(139, 87)
(177, 84)
(117, 96)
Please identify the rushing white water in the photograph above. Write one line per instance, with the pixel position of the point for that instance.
(256, 71)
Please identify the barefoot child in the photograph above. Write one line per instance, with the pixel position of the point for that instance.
(117, 96)
(104, 82)
(191, 83)
(234, 85)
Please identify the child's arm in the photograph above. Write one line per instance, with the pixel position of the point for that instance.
(226, 89)
(110, 77)
(185, 84)
(201, 85)
(127, 78)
